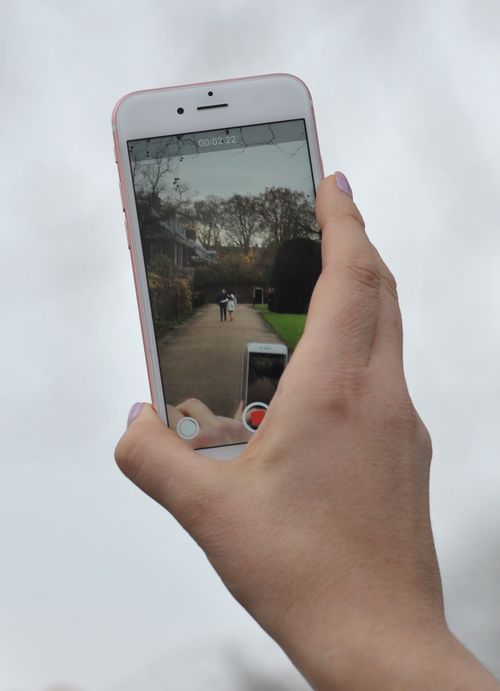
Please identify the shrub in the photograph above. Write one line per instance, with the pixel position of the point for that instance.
(171, 300)
(296, 269)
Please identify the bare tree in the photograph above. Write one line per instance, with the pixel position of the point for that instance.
(208, 219)
(286, 214)
(149, 173)
(242, 221)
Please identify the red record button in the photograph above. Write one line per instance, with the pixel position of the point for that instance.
(256, 417)
(253, 414)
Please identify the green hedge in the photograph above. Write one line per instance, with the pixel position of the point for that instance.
(296, 269)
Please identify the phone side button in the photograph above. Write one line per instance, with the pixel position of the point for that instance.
(126, 231)
(122, 197)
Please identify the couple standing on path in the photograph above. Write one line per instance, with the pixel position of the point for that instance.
(227, 303)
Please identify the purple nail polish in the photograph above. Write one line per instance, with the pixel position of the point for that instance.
(134, 412)
(343, 184)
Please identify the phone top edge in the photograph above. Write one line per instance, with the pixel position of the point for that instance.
(157, 89)
(261, 346)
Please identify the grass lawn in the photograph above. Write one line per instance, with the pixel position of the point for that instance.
(289, 327)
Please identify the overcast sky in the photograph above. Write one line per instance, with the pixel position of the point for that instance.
(99, 588)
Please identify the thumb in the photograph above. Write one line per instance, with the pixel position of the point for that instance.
(162, 465)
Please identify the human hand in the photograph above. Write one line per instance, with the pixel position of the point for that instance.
(215, 430)
(321, 527)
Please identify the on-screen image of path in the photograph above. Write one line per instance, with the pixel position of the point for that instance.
(203, 358)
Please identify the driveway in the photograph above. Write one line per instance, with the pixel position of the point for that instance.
(203, 358)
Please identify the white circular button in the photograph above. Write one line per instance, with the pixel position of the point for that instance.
(188, 428)
(257, 407)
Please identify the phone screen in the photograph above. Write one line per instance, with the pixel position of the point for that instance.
(264, 372)
(231, 251)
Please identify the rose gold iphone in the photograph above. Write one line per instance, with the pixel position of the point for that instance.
(218, 188)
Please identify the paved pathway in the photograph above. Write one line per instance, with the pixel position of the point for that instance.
(203, 358)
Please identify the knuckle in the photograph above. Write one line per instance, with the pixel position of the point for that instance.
(390, 283)
(419, 436)
(423, 438)
(342, 390)
(364, 270)
(400, 418)
(353, 215)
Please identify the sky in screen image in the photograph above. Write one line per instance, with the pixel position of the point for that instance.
(224, 171)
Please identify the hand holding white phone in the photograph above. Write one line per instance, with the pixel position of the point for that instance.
(321, 527)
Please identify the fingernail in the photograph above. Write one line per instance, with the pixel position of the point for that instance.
(134, 412)
(343, 184)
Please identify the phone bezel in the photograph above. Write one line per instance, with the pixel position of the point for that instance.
(152, 113)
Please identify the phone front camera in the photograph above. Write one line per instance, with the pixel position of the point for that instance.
(210, 93)
(180, 110)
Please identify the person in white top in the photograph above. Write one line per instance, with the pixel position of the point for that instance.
(231, 304)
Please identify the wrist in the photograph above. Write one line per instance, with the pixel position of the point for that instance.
(424, 656)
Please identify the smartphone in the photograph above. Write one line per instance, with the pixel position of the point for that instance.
(263, 367)
(218, 183)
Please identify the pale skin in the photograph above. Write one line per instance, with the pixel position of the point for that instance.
(321, 528)
(215, 430)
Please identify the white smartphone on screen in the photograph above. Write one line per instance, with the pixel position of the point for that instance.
(264, 365)
(218, 183)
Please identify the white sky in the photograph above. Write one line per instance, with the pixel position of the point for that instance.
(99, 588)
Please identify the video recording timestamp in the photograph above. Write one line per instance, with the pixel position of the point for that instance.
(217, 141)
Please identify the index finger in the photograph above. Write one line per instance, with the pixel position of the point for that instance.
(344, 307)
(341, 223)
